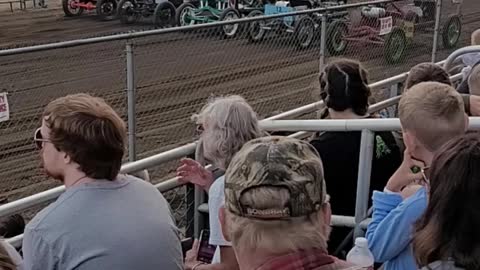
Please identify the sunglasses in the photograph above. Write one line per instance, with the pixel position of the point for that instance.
(38, 139)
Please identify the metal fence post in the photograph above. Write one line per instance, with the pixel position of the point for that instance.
(190, 211)
(323, 41)
(198, 217)
(436, 31)
(394, 91)
(363, 182)
(132, 153)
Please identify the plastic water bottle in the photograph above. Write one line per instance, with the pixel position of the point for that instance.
(360, 255)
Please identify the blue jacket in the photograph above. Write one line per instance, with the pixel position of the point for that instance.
(390, 232)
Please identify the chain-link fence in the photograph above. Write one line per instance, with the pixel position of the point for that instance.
(271, 61)
(34, 79)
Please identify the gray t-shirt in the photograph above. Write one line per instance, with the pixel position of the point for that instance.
(124, 224)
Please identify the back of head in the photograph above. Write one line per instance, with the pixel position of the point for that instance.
(474, 81)
(11, 226)
(449, 228)
(228, 122)
(433, 112)
(89, 131)
(427, 72)
(344, 85)
(275, 194)
(476, 38)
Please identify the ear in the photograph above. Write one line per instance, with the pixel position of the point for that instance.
(409, 140)
(222, 215)
(66, 158)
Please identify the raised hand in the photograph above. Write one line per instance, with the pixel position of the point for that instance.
(190, 171)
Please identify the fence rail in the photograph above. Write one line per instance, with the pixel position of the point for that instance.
(157, 79)
(271, 124)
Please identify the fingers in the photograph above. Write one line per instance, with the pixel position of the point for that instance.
(194, 249)
(189, 162)
(411, 161)
(196, 245)
(418, 163)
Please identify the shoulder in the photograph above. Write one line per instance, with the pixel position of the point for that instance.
(128, 179)
(42, 218)
(334, 139)
(216, 195)
(416, 204)
(218, 187)
(138, 186)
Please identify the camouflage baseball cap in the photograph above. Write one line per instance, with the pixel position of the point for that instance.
(276, 162)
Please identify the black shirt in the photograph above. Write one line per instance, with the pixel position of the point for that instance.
(339, 152)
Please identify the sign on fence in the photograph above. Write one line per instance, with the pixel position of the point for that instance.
(4, 109)
(386, 25)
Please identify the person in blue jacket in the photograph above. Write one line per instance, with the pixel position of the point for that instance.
(431, 114)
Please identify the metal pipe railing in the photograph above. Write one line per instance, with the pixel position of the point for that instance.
(363, 180)
(280, 125)
(188, 149)
(381, 124)
(453, 56)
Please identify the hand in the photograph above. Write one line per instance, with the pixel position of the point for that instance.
(191, 256)
(474, 105)
(190, 171)
(404, 176)
(410, 190)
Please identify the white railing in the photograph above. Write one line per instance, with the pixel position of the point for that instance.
(367, 126)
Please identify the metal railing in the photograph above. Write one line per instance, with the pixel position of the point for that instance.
(393, 83)
(304, 128)
(185, 150)
(456, 54)
(149, 77)
(366, 126)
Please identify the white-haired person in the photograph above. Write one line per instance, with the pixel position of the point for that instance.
(226, 123)
(277, 212)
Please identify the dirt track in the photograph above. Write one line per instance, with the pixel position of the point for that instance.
(175, 74)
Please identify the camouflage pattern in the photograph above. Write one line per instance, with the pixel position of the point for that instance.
(276, 162)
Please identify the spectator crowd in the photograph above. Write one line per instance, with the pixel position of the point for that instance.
(270, 197)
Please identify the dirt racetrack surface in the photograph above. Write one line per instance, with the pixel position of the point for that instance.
(175, 74)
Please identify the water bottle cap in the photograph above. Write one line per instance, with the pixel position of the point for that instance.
(361, 242)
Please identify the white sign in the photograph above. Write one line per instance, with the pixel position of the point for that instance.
(386, 25)
(4, 109)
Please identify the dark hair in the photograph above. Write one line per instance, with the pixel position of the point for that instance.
(427, 72)
(89, 131)
(344, 85)
(449, 227)
(11, 226)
